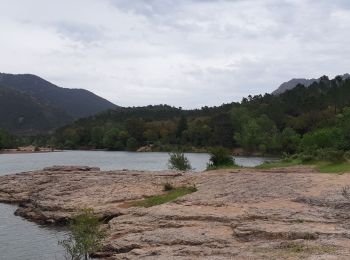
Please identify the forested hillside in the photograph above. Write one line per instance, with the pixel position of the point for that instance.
(316, 117)
(21, 113)
(31, 105)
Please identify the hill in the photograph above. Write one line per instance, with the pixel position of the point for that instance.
(294, 82)
(302, 118)
(75, 102)
(30, 104)
(23, 114)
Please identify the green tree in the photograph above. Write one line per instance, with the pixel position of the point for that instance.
(181, 127)
(250, 136)
(85, 236)
(111, 138)
(220, 156)
(289, 140)
(321, 139)
(6, 140)
(178, 161)
(132, 144)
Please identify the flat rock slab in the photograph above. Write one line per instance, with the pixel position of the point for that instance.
(287, 213)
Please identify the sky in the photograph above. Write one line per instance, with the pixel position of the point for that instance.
(188, 53)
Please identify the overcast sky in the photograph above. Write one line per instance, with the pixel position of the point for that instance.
(187, 53)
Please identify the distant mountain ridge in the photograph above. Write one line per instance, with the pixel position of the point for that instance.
(75, 102)
(294, 82)
(31, 105)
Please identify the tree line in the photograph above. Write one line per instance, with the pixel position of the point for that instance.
(298, 120)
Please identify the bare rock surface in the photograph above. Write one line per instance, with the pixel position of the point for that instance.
(287, 213)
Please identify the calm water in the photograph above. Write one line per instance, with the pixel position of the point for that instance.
(23, 240)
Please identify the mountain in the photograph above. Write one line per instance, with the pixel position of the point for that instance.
(31, 105)
(21, 113)
(75, 102)
(294, 82)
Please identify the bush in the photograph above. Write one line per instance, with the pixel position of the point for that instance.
(168, 186)
(331, 155)
(178, 161)
(306, 158)
(85, 236)
(220, 156)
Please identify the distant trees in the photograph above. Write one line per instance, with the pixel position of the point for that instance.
(6, 140)
(297, 120)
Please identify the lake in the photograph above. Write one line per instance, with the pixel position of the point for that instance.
(21, 239)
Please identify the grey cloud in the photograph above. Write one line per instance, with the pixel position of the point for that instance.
(187, 53)
(80, 32)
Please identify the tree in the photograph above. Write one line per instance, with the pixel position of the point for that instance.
(220, 156)
(6, 140)
(178, 161)
(85, 236)
(289, 140)
(181, 126)
(250, 136)
(132, 144)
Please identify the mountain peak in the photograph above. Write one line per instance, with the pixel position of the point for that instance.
(296, 81)
(30, 97)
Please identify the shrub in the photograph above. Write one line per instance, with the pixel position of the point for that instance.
(178, 161)
(331, 155)
(168, 186)
(85, 236)
(220, 156)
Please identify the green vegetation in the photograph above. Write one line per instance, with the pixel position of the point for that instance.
(220, 158)
(323, 166)
(178, 161)
(279, 164)
(297, 250)
(7, 140)
(170, 195)
(85, 236)
(312, 122)
(302, 120)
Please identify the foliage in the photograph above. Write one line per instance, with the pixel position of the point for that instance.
(339, 168)
(85, 236)
(178, 161)
(168, 186)
(132, 144)
(6, 140)
(220, 156)
(278, 164)
(164, 198)
(303, 121)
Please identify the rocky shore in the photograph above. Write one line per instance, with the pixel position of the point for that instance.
(287, 213)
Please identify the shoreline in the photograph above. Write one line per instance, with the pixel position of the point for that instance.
(27, 152)
(106, 150)
(235, 213)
